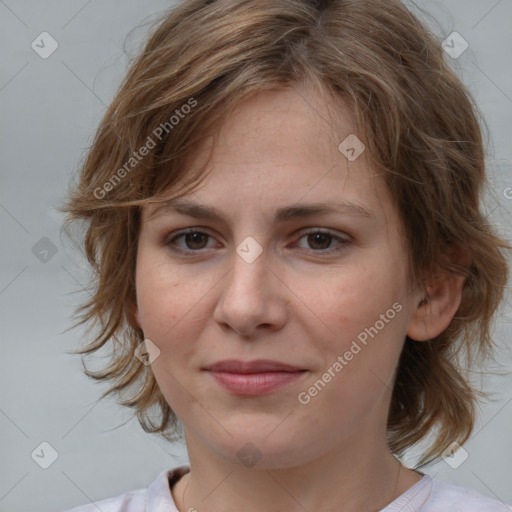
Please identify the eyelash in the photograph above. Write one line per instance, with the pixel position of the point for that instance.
(170, 242)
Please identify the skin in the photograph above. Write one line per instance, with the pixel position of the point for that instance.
(295, 303)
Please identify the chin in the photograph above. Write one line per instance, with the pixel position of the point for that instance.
(261, 451)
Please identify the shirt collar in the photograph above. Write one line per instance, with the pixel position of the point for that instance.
(159, 496)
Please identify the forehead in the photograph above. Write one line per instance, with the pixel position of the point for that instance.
(281, 148)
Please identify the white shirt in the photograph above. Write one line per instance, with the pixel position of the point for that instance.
(427, 495)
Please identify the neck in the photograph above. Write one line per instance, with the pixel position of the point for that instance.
(347, 478)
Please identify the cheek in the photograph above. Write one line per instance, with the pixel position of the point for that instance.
(162, 296)
(172, 310)
(365, 316)
(166, 309)
(353, 301)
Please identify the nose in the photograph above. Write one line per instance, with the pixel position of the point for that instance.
(253, 297)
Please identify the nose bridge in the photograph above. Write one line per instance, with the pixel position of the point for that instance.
(250, 264)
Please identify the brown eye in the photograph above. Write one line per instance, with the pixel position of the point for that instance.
(320, 242)
(194, 241)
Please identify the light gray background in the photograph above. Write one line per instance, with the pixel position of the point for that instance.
(49, 111)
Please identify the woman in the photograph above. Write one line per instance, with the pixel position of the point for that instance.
(283, 219)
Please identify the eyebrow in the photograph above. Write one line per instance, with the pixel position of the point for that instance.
(199, 211)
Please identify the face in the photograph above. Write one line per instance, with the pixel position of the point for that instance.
(325, 293)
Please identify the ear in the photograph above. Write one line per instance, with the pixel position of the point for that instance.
(436, 310)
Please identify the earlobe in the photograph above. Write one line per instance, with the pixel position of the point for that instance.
(434, 312)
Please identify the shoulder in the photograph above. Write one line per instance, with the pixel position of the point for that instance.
(448, 497)
(156, 498)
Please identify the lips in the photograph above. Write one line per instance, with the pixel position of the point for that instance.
(253, 378)
(258, 366)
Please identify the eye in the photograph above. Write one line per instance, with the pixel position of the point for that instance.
(320, 240)
(194, 241)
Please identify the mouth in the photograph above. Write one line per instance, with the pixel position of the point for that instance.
(253, 378)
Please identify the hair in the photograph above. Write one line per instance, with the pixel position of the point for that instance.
(422, 132)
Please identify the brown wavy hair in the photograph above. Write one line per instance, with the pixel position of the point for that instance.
(422, 130)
